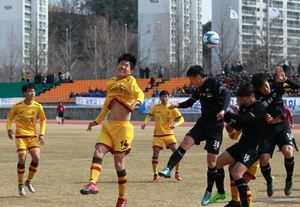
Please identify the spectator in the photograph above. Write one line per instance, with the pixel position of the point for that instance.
(298, 71)
(152, 82)
(67, 76)
(227, 70)
(142, 72)
(28, 77)
(284, 67)
(239, 67)
(23, 76)
(290, 70)
(62, 77)
(232, 69)
(147, 72)
(160, 72)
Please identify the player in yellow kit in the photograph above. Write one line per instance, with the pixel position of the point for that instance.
(25, 113)
(163, 131)
(123, 94)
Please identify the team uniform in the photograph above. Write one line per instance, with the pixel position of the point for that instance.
(252, 171)
(117, 136)
(25, 118)
(278, 133)
(213, 98)
(251, 120)
(164, 117)
(26, 137)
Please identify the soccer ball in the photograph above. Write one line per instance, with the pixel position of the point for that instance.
(211, 39)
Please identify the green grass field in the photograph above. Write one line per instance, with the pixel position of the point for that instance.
(66, 159)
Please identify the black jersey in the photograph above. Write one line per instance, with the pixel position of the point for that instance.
(273, 101)
(213, 96)
(251, 120)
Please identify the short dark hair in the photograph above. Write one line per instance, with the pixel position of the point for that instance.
(28, 86)
(129, 57)
(195, 70)
(245, 89)
(164, 92)
(258, 80)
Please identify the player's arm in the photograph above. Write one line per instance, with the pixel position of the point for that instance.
(226, 97)
(188, 103)
(179, 117)
(104, 112)
(42, 118)
(9, 119)
(236, 121)
(136, 92)
(146, 121)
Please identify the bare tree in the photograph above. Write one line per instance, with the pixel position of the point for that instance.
(103, 44)
(10, 59)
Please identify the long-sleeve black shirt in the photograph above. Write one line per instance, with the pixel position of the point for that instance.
(273, 101)
(213, 96)
(251, 120)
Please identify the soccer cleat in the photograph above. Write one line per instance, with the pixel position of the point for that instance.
(121, 202)
(270, 188)
(29, 186)
(21, 190)
(177, 176)
(90, 188)
(205, 199)
(166, 173)
(217, 196)
(155, 179)
(288, 188)
(233, 203)
(296, 148)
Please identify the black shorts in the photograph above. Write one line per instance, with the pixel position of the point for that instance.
(61, 114)
(246, 156)
(276, 134)
(211, 132)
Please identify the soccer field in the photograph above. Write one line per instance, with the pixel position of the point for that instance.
(66, 159)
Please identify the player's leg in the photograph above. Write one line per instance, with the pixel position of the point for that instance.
(186, 143)
(289, 161)
(266, 172)
(119, 159)
(295, 144)
(223, 159)
(173, 148)
(35, 155)
(238, 171)
(21, 171)
(155, 156)
(235, 196)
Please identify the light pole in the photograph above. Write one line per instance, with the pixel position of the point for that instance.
(67, 54)
(125, 38)
(95, 45)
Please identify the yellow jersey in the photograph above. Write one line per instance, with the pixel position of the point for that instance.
(25, 118)
(164, 119)
(124, 91)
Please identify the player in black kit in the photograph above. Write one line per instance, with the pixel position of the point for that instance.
(277, 131)
(243, 154)
(214, 99)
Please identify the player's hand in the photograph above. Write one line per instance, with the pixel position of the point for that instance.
(143, 126)
(228, 128)
(10, 134)
(173, 106)
(91, 124)
(173, 126)
(135, 103)
(269, 118)
(220, 115)
(42, 139)
(292, 125)
(280, 73)
(235, 109)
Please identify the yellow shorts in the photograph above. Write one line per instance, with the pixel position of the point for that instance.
(24, 144)
(116, 136)
(253, 169)
(167, 140)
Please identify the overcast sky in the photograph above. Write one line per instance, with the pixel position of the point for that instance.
(206, 11)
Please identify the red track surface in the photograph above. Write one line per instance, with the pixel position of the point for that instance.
(135, 123)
